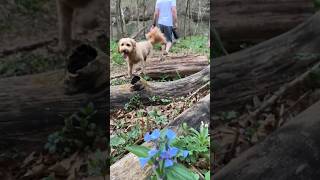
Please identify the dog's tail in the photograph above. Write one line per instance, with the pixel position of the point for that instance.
(156, 36)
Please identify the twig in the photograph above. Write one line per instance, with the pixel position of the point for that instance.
(139, 32)
(197, 171)
(198, 90)
(27, 47)
(282, 90)
(296, 102)
(217, 39)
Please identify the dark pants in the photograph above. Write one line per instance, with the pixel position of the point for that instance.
(167, 31)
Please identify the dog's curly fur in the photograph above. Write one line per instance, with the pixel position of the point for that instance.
(136, 52)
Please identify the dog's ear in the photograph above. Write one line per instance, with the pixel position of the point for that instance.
(133, 42)
(119, 46)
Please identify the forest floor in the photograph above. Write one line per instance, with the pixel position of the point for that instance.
(24, 50)
(234, 132)
(128, 125)
(22, 24)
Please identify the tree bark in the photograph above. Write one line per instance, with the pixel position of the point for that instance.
(292, 152)
(185, 19)
(128, 168)
(265, 67)
(254, 21)
(176, 66)
(172, 67)
(35, 102)
(119, 95)
(30, 103)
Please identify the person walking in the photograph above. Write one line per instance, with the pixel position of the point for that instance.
(165, 16)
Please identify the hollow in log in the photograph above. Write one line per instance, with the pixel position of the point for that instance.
(120, 95)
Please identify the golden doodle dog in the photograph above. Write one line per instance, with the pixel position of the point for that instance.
(135, 52)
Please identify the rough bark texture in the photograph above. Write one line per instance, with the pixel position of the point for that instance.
(264, 68)
(119, 95)
(34, 102)
(292, 152)
(128, 168)
(173, 67)
(258, 20)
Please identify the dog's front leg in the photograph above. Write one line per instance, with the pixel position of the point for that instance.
(130, 65)
(144, 65)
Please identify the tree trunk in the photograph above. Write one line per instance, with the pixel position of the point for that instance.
(118, 19)
(120, 95)
(144, 15)
(172, 67)
(123, 23)
(138, 14)
(265, 67)
(185, 19)
(292, 152)
(239, 21)
(128, 168)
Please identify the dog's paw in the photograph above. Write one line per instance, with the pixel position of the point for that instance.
(128, 76)
(162, 58)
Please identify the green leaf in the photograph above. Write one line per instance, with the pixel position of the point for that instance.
(207, 176)
(179, 172)
(140, 151)
(116, 141)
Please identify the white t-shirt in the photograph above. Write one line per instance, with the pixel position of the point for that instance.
(165, 13)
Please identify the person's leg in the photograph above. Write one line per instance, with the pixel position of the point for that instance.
(167, 31)
(168, 46)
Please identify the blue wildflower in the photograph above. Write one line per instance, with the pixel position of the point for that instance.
(168, 163)
(185, 153)
(153, 152)
(170, 134)
(153, 136)
(168, 155)
(144, 161)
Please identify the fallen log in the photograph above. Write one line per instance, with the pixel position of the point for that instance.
(264, 68)
(291, 152)
(35, 102)
(119, 95)
(176, 66)
(29, 104)
(128, 168)
(254, 21)
(172, 67)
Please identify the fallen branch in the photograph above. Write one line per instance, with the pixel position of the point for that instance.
(281, 91)
(26, 47)
(138, 33)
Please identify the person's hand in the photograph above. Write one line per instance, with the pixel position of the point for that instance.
(175, 26)
(152, 26)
